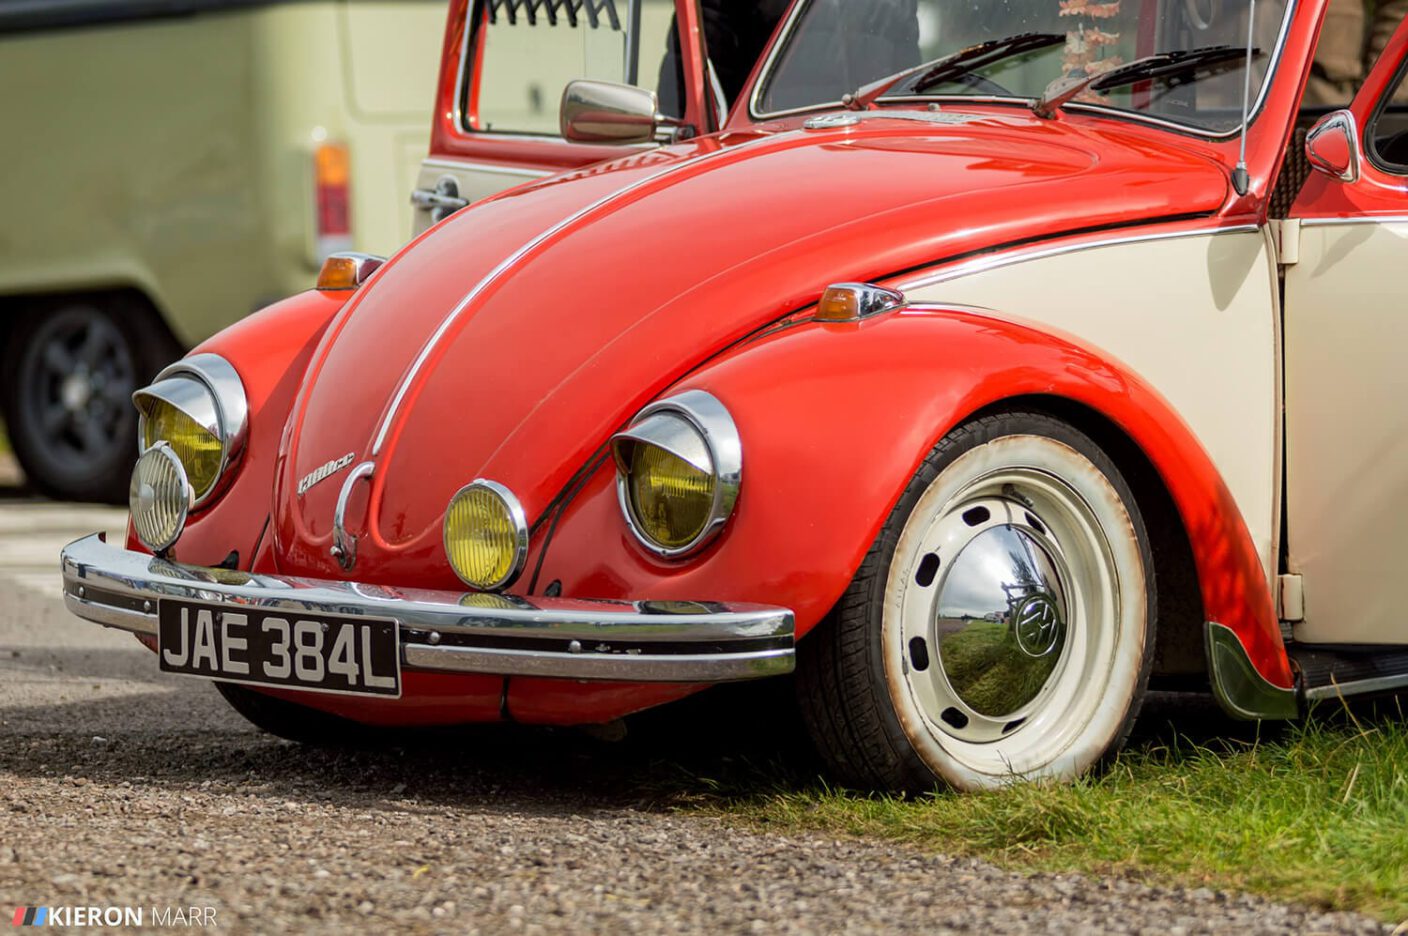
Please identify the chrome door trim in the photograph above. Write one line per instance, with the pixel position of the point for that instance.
(964, 268)
(1356, 219)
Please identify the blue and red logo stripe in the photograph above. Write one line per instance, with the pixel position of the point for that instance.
(31, 916)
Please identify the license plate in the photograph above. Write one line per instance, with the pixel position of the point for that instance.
(312, 652)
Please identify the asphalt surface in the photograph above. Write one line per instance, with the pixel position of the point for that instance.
(123, 787)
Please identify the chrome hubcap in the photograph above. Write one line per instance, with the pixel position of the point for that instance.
(1000, 627)
(995, 606)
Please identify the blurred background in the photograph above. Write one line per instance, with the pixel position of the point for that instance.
(170, 167)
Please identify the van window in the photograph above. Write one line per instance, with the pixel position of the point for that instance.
(528, 51)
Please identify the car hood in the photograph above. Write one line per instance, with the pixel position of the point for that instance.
(511, 340)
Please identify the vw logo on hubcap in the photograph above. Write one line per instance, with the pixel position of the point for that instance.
(1037, 625)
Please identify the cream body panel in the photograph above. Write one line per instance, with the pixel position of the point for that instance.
(1193, 316)
(326, 76)
(173, 155)
(127, 164)
(1347, 430)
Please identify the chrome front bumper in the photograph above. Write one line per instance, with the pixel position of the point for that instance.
(629, 641)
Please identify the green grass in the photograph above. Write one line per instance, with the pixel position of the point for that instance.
(4, 440)
(1318, 816)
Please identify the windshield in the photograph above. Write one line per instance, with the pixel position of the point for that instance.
(835, 47)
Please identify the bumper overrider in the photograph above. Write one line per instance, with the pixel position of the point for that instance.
(457, 632)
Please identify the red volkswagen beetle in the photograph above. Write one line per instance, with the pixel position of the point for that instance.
(969, 358)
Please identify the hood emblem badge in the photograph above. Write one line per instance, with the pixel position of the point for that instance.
(323, 472)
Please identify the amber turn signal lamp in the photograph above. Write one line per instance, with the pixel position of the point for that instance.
(851, 302)
(347, 270)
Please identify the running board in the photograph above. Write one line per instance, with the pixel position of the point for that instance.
(1330, 672)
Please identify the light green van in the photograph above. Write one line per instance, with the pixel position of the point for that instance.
(169, 166)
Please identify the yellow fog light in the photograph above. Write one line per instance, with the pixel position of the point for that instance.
(159, 497)
(670, 499)
(198, 449)
(486, 535)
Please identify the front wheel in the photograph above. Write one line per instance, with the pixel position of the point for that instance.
(1001, 626)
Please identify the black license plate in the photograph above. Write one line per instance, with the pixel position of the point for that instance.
(313, 652)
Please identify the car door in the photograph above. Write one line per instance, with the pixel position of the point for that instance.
(1346, 325)
(504, 68)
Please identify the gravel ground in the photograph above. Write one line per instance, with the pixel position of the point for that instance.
(123, 787)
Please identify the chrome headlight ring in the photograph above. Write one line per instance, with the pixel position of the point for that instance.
(515, 518)
(697, 428)
(208, 389)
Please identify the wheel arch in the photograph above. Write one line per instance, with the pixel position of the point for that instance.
(133, 299)
(837, 418)
(270, 350)
(903, 381)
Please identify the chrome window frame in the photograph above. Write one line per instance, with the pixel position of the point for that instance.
(460, 114)
(765, 76)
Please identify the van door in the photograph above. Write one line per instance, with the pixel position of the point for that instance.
(504, 68)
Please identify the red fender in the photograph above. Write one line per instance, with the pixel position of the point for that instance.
(270, 351)
(835, 420)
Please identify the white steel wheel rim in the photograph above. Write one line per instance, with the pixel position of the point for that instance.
(969, 724)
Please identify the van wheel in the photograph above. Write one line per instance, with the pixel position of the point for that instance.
(70, 368)
(1001, 626)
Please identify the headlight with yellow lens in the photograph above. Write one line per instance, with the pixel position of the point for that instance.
(678, 470)
(198, 408)
(486, 535)
(198, 449)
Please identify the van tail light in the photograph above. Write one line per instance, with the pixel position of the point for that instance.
(333, 194)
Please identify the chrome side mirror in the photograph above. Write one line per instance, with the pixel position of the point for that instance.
(606, 112)
(1332, 146)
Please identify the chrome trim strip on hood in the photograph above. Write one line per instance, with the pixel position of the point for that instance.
(522, 253)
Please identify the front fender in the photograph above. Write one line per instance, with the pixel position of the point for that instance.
(835, 420)
(270, 350)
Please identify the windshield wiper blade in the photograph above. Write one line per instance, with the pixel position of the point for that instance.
(955, 65)
(1176, 64)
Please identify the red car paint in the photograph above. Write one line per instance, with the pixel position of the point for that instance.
(584, 296)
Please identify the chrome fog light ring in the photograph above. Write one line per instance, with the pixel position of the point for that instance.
(206, 388)
(697, 428)
(159, 498)
(513, 517)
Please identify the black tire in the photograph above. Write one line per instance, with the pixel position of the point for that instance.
(293, 722)
(70, 367)
(851, 704)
